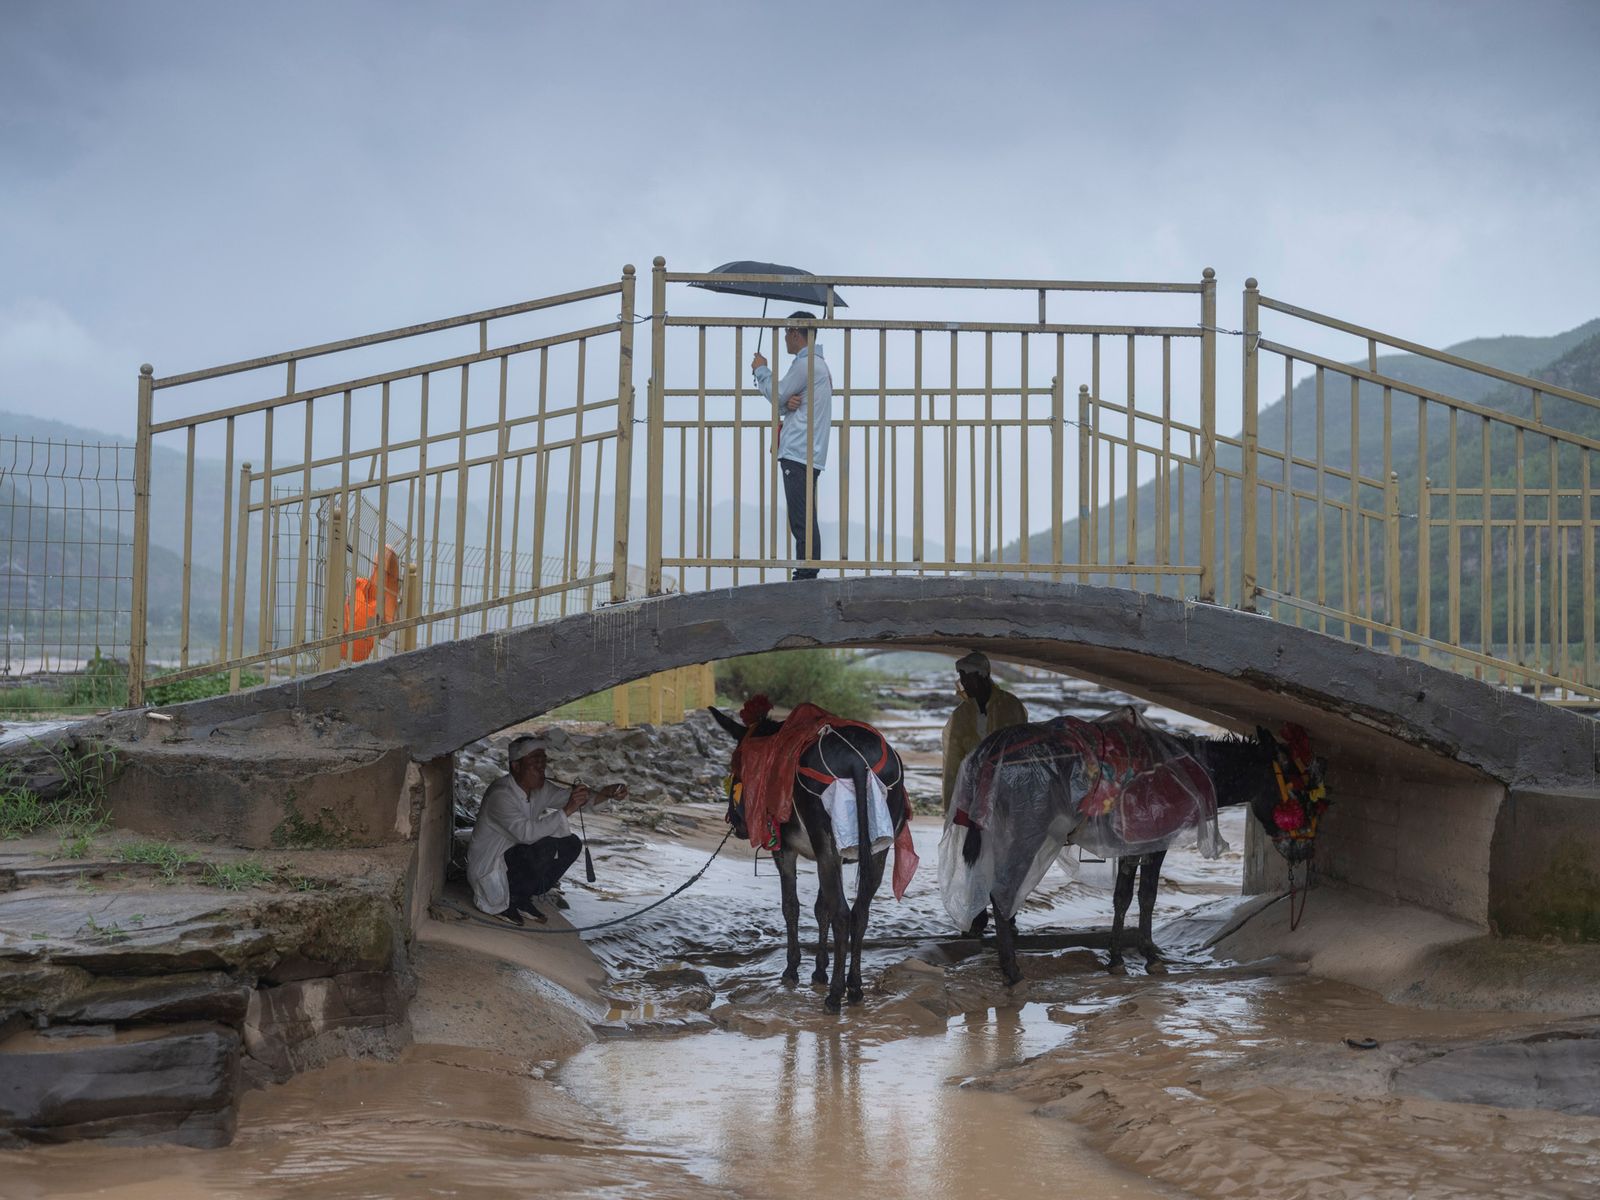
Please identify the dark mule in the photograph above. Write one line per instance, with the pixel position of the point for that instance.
(841, 752)
(1280, 781)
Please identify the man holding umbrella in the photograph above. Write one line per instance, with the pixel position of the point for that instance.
(804, 400)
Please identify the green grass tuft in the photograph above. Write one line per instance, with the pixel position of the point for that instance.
(165, 857)
(236, 876)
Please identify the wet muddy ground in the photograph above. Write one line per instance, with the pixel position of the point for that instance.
(665, 1058)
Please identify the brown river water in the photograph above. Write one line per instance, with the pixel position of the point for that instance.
(711, 1078)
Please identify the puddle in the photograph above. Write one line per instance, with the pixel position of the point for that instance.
(817, 1110)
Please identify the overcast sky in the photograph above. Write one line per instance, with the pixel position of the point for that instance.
(192, 183)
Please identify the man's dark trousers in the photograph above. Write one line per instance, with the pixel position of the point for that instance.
(532, 870)
(794, 495)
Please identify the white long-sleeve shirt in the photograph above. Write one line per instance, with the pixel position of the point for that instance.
(507, 817)
(792, 437)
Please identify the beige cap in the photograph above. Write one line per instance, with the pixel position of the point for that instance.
(976, 663)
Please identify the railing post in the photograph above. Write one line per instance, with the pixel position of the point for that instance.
(1058, 465)
(1251, 464)
(657, 431)
(1208, 436)
(333, 589)
(241, 550)
(1424, 564)
(413, 606)
(1391, 559)
(622, 488)
(1085, 450)
(138, 620)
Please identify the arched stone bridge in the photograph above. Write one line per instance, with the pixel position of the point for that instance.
(1449, 793)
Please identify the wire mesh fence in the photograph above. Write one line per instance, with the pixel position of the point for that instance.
(66, 568)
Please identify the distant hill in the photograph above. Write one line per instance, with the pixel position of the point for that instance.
(1570, 360)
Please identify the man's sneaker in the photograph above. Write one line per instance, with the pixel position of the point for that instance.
(559, 901)
(510, 916)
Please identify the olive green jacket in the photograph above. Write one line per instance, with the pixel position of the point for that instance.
(961, 732)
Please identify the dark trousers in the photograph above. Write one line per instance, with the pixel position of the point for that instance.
(534, 869)
(794, 496)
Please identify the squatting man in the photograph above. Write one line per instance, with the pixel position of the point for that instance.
(522, 844)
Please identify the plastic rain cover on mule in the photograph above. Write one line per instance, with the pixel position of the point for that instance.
(1116, 786)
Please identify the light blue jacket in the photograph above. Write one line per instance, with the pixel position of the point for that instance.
(792, 437)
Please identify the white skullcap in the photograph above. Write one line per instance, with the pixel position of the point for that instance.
(976, 663)
(523, 746)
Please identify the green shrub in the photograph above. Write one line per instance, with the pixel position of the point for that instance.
(201, 687)
(790, 677)
(30, 699)
(103, 683)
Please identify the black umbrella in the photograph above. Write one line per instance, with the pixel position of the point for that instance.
(800, 291)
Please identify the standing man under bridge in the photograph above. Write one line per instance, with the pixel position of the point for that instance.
(807, 376)
(984, 708)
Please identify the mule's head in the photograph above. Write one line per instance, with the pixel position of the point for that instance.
(1290, 810)
(752, 721)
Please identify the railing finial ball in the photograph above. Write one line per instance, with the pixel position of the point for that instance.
(627, 269)
(1250, 284)
(660, 261)
(146, 369)
(1208, 273)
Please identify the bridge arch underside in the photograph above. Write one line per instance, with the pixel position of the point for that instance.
(1464, 798)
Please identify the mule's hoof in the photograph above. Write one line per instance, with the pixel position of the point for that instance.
(831, 1003)
(819, 977)
(1013, 976)
(1155, 966)
(855, 995)
(1117, 968)
(791, 976)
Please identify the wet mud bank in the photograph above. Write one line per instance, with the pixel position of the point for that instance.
(138, 1002)
(1377, 1050)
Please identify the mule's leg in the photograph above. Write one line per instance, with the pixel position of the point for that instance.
(833, 913)
(824, 913)
(1127, 868)
(858, 920)
(1149, 882)
(791, 911)
(1005, 937)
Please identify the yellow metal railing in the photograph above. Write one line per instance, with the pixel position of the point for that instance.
(1463, 532)
(951, 440)
(974, 436)
(531, 434)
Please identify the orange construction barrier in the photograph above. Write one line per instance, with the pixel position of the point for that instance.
(360, 611)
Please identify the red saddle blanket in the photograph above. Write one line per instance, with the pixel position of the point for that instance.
(1138, 787)
(766, 768)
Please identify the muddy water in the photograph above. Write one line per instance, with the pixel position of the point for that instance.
(425, 1127)
(828, 1109)
(715, 1079)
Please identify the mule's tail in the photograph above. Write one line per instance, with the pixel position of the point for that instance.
(859, 776)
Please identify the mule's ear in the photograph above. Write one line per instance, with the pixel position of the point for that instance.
(1264, 736)
(729, 726)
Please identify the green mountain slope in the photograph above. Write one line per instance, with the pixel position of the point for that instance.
(1295, 418)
